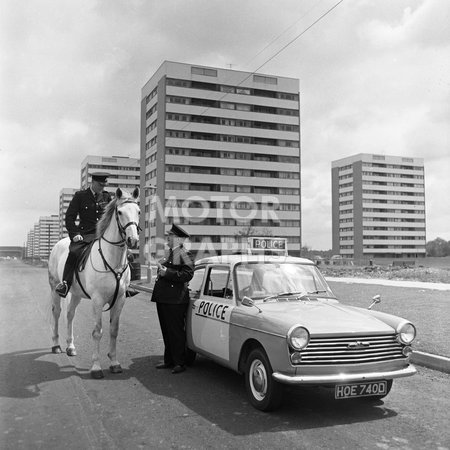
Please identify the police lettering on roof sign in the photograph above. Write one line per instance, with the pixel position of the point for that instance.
(278, 245)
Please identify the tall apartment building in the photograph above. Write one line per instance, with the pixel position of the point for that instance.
(29, 250)
(378, 207)
(124, 171)
(43, 236)
(35, 244)
(65, 196)
(222, 149)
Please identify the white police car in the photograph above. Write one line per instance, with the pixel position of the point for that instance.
(276, 320)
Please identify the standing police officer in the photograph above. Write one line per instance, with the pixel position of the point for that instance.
(171, 295)
(88, 205)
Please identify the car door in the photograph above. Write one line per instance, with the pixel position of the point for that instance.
(210, 313)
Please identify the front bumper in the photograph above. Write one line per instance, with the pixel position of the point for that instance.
(343, 378)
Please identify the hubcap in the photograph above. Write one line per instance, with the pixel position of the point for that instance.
(258, 380)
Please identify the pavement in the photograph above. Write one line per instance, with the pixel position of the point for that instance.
(435, 362)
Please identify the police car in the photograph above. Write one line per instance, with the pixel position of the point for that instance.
(274, 319)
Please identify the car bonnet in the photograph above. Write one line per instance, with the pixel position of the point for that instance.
(319, 317)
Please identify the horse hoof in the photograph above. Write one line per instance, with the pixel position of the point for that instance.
(115, 369)
(97, 374)
(71, 351)
(56, 349)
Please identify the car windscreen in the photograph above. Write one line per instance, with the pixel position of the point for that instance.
(260, 280)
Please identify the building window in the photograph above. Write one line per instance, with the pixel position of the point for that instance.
(224, 171)
(227, 105)
(227, 188)
(204, 71)
(228, 89)
(265, 80)
(243, 107)
(288, 191)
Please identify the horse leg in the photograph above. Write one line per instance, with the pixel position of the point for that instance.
(73, 303)
(114, 331)
(96, 370)
(56, 312)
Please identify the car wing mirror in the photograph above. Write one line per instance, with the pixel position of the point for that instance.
(247, 301)
(376, 299)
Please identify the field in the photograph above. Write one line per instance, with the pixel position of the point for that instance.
(433, 270)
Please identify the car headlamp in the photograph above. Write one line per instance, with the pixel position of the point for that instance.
(298, 337)
(406, 333)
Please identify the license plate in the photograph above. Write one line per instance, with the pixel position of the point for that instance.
(360, 389)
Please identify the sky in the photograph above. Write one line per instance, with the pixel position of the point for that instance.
(374, 78)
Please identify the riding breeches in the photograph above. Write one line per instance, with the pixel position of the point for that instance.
(75, 250)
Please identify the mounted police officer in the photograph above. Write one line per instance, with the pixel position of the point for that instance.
(87, 205)
(171, 295)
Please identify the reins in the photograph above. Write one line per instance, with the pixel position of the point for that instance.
(118, 275)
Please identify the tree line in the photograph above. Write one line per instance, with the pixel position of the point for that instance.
(438, 247)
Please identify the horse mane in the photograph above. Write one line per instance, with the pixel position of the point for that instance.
(106, 218)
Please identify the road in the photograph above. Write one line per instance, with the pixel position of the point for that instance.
(49, 401)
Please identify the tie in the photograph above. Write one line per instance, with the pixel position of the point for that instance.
(171, 256)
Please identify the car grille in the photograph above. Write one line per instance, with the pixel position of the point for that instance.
(352, 350)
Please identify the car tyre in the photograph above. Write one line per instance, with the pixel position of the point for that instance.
(264, 392)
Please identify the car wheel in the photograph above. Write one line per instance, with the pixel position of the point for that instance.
(373, 398)
(264, 392)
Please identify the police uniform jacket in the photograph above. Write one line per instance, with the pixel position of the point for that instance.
(173, 286)
(88, 209)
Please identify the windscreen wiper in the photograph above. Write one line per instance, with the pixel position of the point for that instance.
(285, 294)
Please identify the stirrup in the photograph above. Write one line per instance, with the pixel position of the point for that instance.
(62, 289)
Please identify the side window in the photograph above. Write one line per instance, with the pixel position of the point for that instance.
(217, 283)
(195, 284)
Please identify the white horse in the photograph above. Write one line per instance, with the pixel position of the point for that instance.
(104, 278)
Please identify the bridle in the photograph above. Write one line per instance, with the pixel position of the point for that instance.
(122, 229)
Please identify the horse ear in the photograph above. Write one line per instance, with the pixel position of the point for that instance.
(119, 193)
(136, 192)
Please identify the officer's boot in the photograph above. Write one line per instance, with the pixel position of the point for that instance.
(62, 289)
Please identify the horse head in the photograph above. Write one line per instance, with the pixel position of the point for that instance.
(127, 216)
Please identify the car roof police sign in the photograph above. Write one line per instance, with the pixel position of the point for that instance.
(268, 245)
